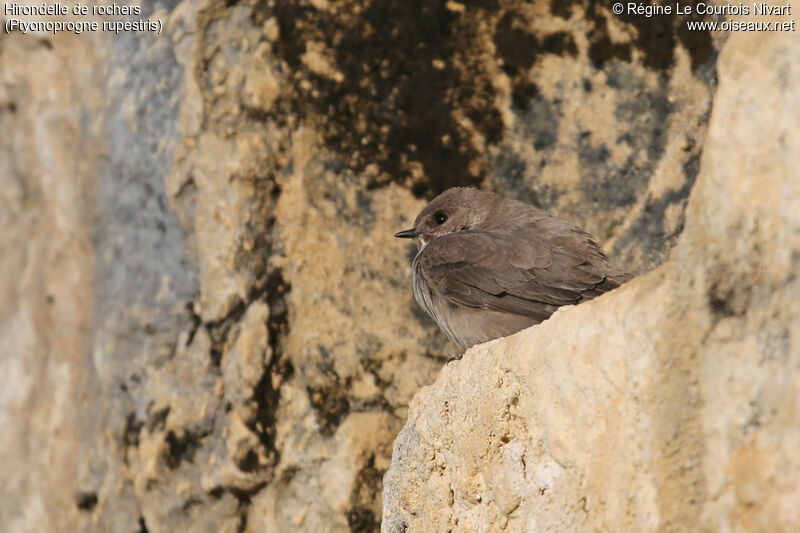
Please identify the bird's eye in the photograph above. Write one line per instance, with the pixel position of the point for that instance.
(440, 218)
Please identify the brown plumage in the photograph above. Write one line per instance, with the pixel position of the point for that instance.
(490, 266)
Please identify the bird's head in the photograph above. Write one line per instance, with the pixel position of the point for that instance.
(456, 209)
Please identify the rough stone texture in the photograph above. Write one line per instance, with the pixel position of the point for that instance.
(671, 404)
(205, 323)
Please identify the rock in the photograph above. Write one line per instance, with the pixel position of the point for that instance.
(669, 404)
(206, 323)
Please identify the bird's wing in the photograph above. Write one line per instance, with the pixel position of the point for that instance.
(527, 271)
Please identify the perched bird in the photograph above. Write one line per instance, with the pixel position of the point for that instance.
(489, 266)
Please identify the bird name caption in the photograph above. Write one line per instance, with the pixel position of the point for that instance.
(717, 11)
(58, 18)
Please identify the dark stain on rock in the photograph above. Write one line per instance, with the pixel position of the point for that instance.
(698, 43)
(648, 229)
(244, 498)
(249, 463)
(542, 196)
(366, 209)
(610, 186)
(655, 37)
(512, 170)
(591, 155)
(218, 331)
(605, 183)
(541, 124)
(130, 430)
(516, 46)
(157, 420)
(86, 500)
(646, 116)
(561, 8)
(522, 93)
(492, 123)
(720, 303)
(519, 49)
(331, 405)
(361, 213)
(362, 520)
(395, 103)
(409, 69)
(690, 170)
(537, 116)
(266, 395)
(179, 448)
(363, 517)
(560, 43)
(602, 49)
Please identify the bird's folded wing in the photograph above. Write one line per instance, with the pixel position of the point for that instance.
(527, 271)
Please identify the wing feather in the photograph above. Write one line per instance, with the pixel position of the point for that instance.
(529, 271)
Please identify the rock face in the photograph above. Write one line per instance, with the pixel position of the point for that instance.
(205, 323)
(671, 404)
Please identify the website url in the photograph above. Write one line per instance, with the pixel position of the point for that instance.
(736, 25)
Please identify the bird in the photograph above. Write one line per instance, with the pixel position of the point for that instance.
(489, 266)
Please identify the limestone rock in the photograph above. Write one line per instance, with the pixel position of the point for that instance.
(205, 322)
(670, 404)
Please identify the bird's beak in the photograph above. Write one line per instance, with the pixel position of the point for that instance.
(407, 234)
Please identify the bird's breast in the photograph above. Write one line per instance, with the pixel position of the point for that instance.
(422, 291)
